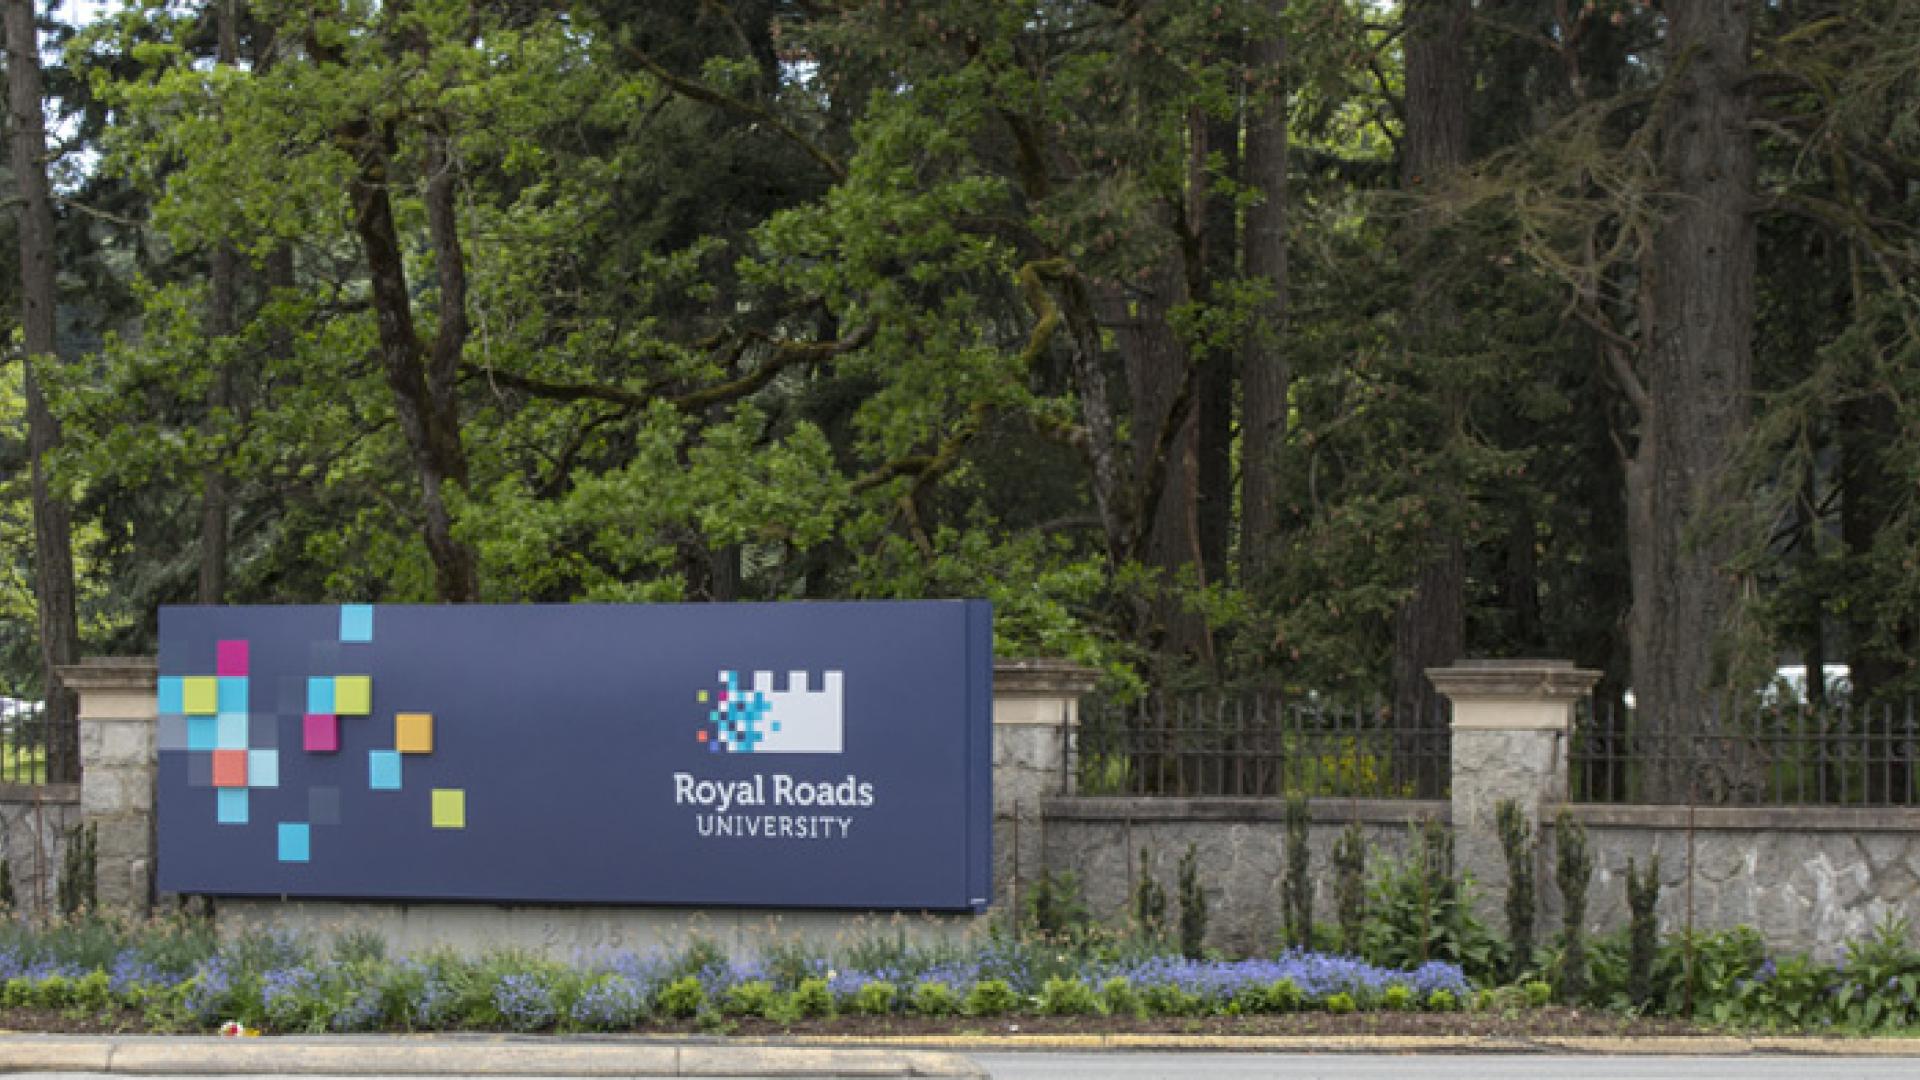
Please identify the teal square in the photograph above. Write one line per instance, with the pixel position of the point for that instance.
(356, 623)
(383, 770)
(230, 731)
(263, 768)
(203, 733)
(173, 698)
(232, 806)
(320, 695)
(295, 841)
(233, 693)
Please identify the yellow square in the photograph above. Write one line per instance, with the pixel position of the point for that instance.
(352, 695)
(200, 695)
(703, 695)
(413, 732)
(449, 808)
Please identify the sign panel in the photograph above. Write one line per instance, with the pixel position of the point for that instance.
(765, 755)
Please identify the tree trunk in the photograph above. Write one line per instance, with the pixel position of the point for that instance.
(1700, 272)
(1161, 381)
(1264, 371)
(1213, 390)
(422, 384)
(221, 324)
(1429, 630)
(52, 518)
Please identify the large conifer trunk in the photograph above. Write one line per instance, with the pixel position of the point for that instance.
(52, 518)
(1700, 273)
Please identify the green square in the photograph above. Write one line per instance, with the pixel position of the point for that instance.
(352, 695)
(200, 695)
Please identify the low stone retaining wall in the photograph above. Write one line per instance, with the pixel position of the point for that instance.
(34, 822)
(1241, 853)
(1810, 880)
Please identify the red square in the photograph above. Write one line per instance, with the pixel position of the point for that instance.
(321, 733)
(230, 768)
(230, 658)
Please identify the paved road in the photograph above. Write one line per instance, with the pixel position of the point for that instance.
(1252, 1066)
(1185, 1066)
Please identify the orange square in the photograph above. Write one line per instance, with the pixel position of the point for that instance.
(229, 768)
(413, 732)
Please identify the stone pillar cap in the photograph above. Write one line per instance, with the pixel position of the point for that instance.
(109, 672)
(1527, 680)
(1043, 676)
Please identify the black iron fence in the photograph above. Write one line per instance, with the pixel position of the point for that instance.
(1259, 743)
(1748, 754)
(33, 749)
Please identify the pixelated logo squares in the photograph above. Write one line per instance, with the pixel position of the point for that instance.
(763, 720)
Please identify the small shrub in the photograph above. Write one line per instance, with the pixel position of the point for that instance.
(1149, 903)
(17, 993)
(1193, 905)
(1068, 997)
(991, 997)
(78, 889)
(1119, 998)
(812, 998)
(612, 1002)
(875, 999)
(1341, 1002)
(524, 1002)
(683, 997)
(1643, 935)
(934, 998)
(1297, 884)
(1282, 995)
(1397, 998)
(1166, 999)
(1516, 842)
(1442, 1001)
(1054, 908)
(1573, 869)
(755, 997)
(52, 992)
(1350, 885)
(1536, 994)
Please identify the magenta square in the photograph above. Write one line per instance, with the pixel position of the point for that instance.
(321, 733)
(230, 658)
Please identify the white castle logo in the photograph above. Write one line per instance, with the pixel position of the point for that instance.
(762, 720)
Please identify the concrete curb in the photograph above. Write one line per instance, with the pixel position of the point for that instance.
(136, 1055)
(1596, 1046)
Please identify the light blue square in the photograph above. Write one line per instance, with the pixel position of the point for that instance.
(320, 694)
(232, 803)
(203, 733)
(233, 693)
(263, 768)
(173, 698)
(294, 841)
(356, 623)
(231, 731)
(383, 770)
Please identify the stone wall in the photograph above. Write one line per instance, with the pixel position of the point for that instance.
(1809, 879)
(1241, 852)
(34, 822)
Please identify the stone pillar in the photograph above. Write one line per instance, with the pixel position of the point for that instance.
(1036, 708)
(1511, 719)
(118, 760)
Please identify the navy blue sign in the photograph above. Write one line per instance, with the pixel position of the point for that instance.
(776, 755)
